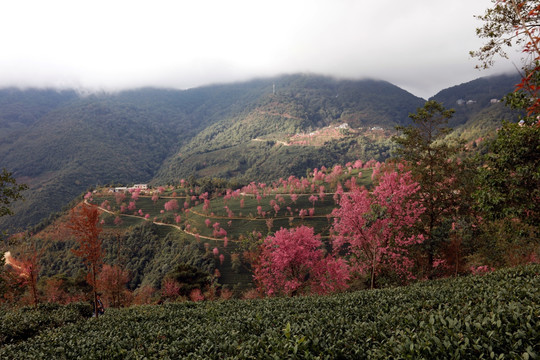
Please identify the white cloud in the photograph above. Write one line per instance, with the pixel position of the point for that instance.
(421, 46)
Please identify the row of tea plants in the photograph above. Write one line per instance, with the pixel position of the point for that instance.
(490, 316)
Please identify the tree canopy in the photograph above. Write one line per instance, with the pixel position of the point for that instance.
(510, 180)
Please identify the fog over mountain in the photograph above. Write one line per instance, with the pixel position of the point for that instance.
(421, 46)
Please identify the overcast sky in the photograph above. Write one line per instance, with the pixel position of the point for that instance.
(420, 45)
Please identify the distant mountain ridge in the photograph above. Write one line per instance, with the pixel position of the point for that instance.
(475, 96)
(479, 106)
(60, 143)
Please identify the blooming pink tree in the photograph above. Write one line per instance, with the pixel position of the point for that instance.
(206, 205)
(135, 194)
(375, 227)
(292, 262)
(119, 197)
(171, 205)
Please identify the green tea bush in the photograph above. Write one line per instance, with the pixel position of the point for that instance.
(490, 316)
(26, 322)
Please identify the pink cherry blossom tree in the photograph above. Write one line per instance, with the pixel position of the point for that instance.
(375, 227)
(135, 194)
(171, 205)
(292, 262)
(132, 206)
(119, 197)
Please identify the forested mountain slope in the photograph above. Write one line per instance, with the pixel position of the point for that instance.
(257, 143)
(61, 143)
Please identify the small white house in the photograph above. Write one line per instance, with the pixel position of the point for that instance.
(140, 186)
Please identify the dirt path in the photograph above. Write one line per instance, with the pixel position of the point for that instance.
(213, 217)
(160, 224)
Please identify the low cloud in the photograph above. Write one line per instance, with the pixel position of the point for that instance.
(421, 46)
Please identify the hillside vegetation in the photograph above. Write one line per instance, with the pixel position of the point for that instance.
(62, 143)
(150, 238)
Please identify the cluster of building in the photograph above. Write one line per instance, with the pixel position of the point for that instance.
(462, 102)
(127, 189)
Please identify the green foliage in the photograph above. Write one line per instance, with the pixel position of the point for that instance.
(510, 180)
(506, 242)
(443, 177)
(150, 256)
(189, 277)
(491, 316)
(483, 125)
(142, 250)
(234, 147)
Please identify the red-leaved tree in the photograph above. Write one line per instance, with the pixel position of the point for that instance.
(85, 225)
(26, 269)
(374, 227)
(113, 281)
(292, 262)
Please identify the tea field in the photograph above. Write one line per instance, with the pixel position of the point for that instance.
(495, 316)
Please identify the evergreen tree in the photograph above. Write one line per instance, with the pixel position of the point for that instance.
(435, 164)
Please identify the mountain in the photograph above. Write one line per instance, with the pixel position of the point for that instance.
(479, 108)
(255, 143)
(61, 143)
